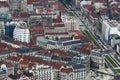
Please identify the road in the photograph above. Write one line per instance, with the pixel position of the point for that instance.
(86, 24)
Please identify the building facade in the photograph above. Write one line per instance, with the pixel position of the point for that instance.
(2, 28)
(97, 58)
(9, 28)
(17, 5)
(71, 23)
(21, 32)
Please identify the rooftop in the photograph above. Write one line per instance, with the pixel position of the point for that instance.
(97, 52)
(3, 4)
(101, 6)
(66, 70)
(36, 28)
(31, 60)
(8, 64)
(54, 52)
(78, 66)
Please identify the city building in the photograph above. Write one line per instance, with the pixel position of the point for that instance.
(83, 60)
(17, 5)
(43, 41)
(9, 28)
(111, 32)
(7, 68)
(2, 28)
(4, 8)
(69, 73)
(65, 40)
(43, 72)
(21, 32)
(94, 10)
(37, 31)
(97, 59)
(64, 45)
(71, 23)
(5, 50)
(66, 73)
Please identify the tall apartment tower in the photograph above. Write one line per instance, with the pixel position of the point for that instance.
(21, 32)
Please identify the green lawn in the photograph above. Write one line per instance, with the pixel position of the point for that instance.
(111, 61)
(71, 13)
(93, 39)
(118, 70)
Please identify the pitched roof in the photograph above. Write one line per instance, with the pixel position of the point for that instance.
(5, 48)
(8, 64)
(56, 33)
(59, 25)
(36, 28)
(21, 15)
(79, 34)
(66, 70)
(54, 51)
(78, 66)
(34, 1)
(31, 60)
(57, 20)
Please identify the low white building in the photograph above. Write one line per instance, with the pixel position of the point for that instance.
(21, 32)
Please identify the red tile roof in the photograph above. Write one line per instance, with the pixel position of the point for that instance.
(95, 15)
(54, 51)
(49, 9)
(31, 60)
(23, 43)
(23, 62)
(14, 58)
(66, 70)
(34, 1)
(59, 25)
(41, 10)
(21, 15)
(87, 48)
(62, 9)
(5, 48)
(79, 34)
(36, 28)
(57, 20)
(56, 33)
(8, 64)
(89, 7)
(115, 8)
(55, 2)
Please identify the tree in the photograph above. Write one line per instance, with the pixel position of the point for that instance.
(47, 37)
